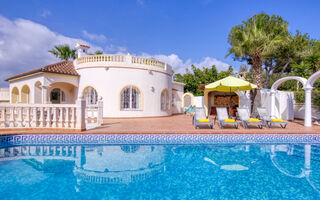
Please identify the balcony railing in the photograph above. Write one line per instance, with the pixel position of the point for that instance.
(121, 59)
(101, 58)
(67, 116)
(147, 61)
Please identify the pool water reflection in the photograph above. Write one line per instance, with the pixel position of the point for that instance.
(160, 172)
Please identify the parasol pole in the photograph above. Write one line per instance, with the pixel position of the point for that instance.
(230, 108)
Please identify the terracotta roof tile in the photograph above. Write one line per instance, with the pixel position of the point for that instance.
(64, 67)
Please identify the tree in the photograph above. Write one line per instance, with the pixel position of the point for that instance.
(196, 77)
(64, 52)
(253, 40)
(98, 52)
(256, 38)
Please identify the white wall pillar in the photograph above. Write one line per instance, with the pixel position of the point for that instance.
(272, 103)
(45, 99)
(80, 113)
(307, 107)
(100, 111)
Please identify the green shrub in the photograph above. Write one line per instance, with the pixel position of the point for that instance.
(300, 97)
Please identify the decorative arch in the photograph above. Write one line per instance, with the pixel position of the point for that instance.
(15, 95)
(313, 79)
(164, 100)
(131, 98)
(90, 94)
(187, 99)
(284, 79)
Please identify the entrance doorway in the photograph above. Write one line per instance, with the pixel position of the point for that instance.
(57, 96)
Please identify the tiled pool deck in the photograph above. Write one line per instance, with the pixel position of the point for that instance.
(177, 124)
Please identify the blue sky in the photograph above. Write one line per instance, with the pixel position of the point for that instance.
(179, 32)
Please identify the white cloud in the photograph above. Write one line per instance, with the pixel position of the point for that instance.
(45, 13)
(94, 37)
(179, 66)
(24, 46)
(116, 49)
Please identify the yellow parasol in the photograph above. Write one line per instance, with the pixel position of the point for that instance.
(230, 84)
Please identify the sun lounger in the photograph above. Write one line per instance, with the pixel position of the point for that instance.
(246, 120)
(268, 120)
(223, 118)
(200, 118)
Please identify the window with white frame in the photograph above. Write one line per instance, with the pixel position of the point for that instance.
(90, 95)
(130, 99)
(164, 100)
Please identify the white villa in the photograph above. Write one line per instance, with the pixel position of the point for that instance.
(79, 94)
(129, 86)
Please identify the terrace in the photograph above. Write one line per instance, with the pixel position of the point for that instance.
(176, 124)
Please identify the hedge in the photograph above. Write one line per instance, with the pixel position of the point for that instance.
(300, 97)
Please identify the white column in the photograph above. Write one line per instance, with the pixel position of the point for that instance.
(307, 107)
(28, 117)
(44, 90)
(54, 118)
(2, 118)
(100, 112)
(20, 116)
(34, 117)
(48, 110)
(12, 117)
(80, 113)
(272, 103)
(42, 119)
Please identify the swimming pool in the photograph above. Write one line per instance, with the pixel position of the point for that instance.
(159, 167)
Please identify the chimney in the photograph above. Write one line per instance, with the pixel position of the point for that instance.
(82, 49)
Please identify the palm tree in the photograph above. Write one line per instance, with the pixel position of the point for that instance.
(253, 41)
(256, 38)
(64, 52)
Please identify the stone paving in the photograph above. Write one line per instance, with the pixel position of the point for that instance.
(177, 124)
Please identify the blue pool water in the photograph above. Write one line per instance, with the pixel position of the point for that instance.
(207, 171)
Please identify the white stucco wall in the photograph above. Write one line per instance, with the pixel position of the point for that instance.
(199, 101)
(284, 103)
(110, 78)
(109, 84)
(4, 95)
(177, 91)
(46, 79)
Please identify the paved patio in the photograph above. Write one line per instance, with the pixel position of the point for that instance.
(177, 124)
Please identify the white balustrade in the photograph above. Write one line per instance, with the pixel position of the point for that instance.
(101, 58)
(49, 115)
(121, 59)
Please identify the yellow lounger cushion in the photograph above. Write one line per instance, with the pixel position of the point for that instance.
(277, 120)
(253, 120)
(204, 120)
(229, 120)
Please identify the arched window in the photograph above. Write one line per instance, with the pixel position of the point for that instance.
(130, 99)
(164, 100)
(90, 95)
(57, 96)
(15, 95)
(25, 94)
